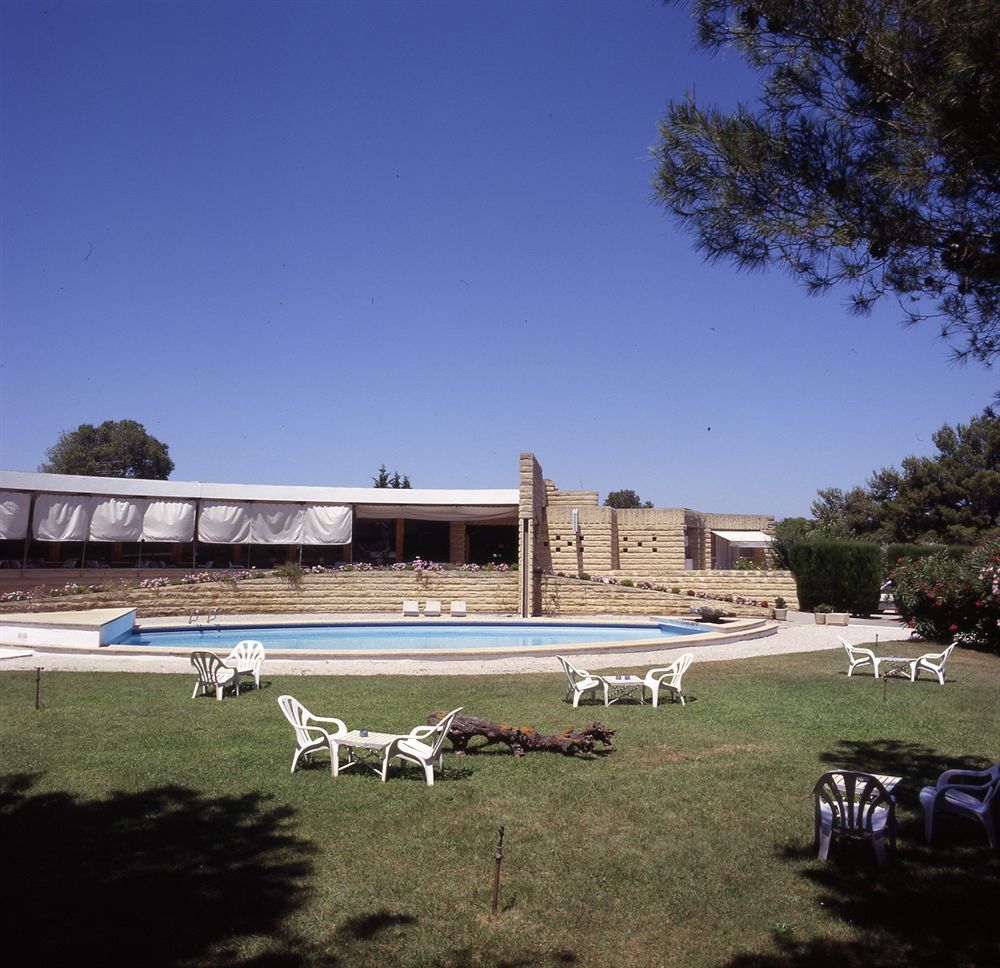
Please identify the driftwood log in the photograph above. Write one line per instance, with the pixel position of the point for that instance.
(522, 739)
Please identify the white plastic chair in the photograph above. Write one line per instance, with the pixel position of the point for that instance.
(246, 658)
(932, 662)
(213, 673)
(411, 608)
(963, 793)
(421, 746)
(310, 737)
(854, 805)
(580, 682)
(858, 657)
(458, 609)
(433, 609)
(668, 678)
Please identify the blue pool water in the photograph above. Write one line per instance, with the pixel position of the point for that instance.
(408, 636)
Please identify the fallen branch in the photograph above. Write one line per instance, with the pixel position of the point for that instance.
(521, 739)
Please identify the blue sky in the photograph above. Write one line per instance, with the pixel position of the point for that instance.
(297, 240)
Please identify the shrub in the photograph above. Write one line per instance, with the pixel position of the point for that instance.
(846, 573)
(911, 552)
(292, 573)
(627, 583)
(675, 591)
(945, 598)
(779, 602)
(823, 608)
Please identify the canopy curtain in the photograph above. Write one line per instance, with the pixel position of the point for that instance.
(62, 517)
(223, 523)
(14, 509)
(117, 519)
(268, 523)
(275, 523)
(168, 521)
(327, 524)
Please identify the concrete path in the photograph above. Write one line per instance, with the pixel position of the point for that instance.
(798, 634)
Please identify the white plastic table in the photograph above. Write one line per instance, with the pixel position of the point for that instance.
(620, 687)
(370, 742)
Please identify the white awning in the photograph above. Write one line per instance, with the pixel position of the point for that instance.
(14, 508)
(745, 539)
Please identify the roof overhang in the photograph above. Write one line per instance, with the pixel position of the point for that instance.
(745, 539)
(468, 503)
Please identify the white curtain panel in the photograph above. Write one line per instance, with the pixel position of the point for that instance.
(224, 522)
(326, 524)
(14, 509)
(168, 521)
(276, 523)
(117, 519)
(62, 517)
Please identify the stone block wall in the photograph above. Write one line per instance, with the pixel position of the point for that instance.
(489, 593)
(572, 596)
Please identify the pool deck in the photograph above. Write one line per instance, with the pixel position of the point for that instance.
(799, 634)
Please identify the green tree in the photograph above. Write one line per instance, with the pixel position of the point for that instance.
(872, 159)
(625, 499)
(116, 448)
(952, 497)
(385, 479)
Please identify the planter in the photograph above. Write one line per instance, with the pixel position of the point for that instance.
(820, 617)
(836, 618)
(781, 614)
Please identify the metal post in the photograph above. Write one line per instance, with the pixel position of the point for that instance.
(498, 857)
(38, 686)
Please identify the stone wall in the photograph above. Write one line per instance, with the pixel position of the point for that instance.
(489, 593)
(573, 596)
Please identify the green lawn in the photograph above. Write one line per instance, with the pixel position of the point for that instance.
(141, 827)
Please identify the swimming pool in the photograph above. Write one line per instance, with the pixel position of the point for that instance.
(409, 636)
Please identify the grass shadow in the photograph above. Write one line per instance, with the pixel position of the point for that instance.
(932, 905)
(157, 877)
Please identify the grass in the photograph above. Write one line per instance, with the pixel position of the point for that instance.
(159, 830)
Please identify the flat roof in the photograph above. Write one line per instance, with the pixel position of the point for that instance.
(285, 493)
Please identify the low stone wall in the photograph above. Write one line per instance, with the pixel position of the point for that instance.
(762, 585)
(491, 593)
(575, 596)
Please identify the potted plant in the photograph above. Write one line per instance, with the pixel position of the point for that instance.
(820, 613)
(780, 609)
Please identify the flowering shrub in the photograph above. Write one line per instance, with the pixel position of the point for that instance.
(16, 596)
(154, 582)
(946, 599)
(72, 588)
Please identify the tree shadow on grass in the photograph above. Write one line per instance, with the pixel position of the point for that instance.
(160, 877)
(933, 905)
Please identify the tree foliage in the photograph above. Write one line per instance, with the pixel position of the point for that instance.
(625, 499)
(116, 448)
(952, 497)
(872, 159)
(385, 479)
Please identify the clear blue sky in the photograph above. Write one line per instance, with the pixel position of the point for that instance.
(300, 239)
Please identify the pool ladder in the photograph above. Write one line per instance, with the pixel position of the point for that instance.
(195, 617)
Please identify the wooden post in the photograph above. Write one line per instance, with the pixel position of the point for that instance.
(498, 857)
(400, 530)
(38, 686)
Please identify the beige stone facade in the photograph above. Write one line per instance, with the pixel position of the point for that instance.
(572, 535)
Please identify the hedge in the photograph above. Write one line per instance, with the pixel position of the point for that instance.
(844, 574)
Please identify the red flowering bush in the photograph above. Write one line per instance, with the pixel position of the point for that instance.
(947, 599)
